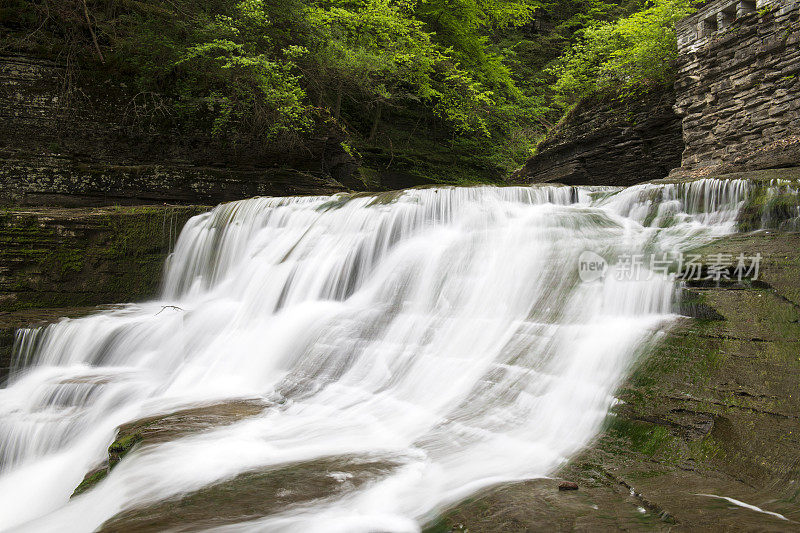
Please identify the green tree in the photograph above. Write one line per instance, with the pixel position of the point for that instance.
(622, 56)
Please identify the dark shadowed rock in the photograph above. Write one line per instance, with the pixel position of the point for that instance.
(59, 149)
(610, 142)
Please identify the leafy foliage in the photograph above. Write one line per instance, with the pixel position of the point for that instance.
(480, 80)
(247, 89)
(379, 54)
(620, 56)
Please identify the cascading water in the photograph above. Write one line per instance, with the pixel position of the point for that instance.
(444, 333)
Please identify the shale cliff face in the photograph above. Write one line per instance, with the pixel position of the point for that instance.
(51, 257)
(610, 142)
(738, 86)
(57, 262)
(76, 139)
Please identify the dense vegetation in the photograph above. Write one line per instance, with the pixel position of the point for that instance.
(470, 83)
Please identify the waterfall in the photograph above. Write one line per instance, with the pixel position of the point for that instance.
(444, 332)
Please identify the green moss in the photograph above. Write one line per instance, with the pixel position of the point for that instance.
(66, 261)
(90, 481)
(116, 452)
(120, 447)
(385, 198)
(770, 207)
(441, 525)
(641, 437)
(449, 521)
(78, 257)
(336, 203)
(706, 450)
(649, 474)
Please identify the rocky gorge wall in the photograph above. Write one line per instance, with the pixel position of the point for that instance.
(737, 86)
(75, 138)
(57, 262)
(610, 142)
(52, 257)
(735, 107)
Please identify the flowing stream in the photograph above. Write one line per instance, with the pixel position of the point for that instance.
(442, 336)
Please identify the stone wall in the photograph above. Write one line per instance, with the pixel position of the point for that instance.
(738, 86)
(610, 142)
(78, 138)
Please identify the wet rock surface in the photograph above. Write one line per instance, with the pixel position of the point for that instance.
(75, 257)
(251, 495)
(246, 496)
(711, 410)
(166, 427)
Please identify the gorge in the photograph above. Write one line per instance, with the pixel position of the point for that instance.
(399, 266)
(390, 354)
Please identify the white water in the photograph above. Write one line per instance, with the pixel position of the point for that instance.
(446, 333)
(745, 506)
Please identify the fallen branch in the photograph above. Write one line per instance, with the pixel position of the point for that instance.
(91, 30)
(169, 307)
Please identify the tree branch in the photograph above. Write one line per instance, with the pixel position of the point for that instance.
(91, 30)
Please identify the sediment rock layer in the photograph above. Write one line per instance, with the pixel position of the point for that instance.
(55, 257)
(610, 142)
(737, 88)
(73, 138)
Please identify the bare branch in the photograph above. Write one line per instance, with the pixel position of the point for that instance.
(91, 30)
(169, 307)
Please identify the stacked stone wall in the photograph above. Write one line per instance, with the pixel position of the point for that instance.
(738, 86)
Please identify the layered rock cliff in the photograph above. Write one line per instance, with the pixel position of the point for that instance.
(610, 142)
(52, 257)
(77, 139)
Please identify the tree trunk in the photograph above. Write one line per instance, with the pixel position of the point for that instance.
(374, 132)
(337, 110)
(91, 30)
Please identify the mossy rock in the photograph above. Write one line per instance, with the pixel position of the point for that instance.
(167, 427)
(771, 207)
(73, 257)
